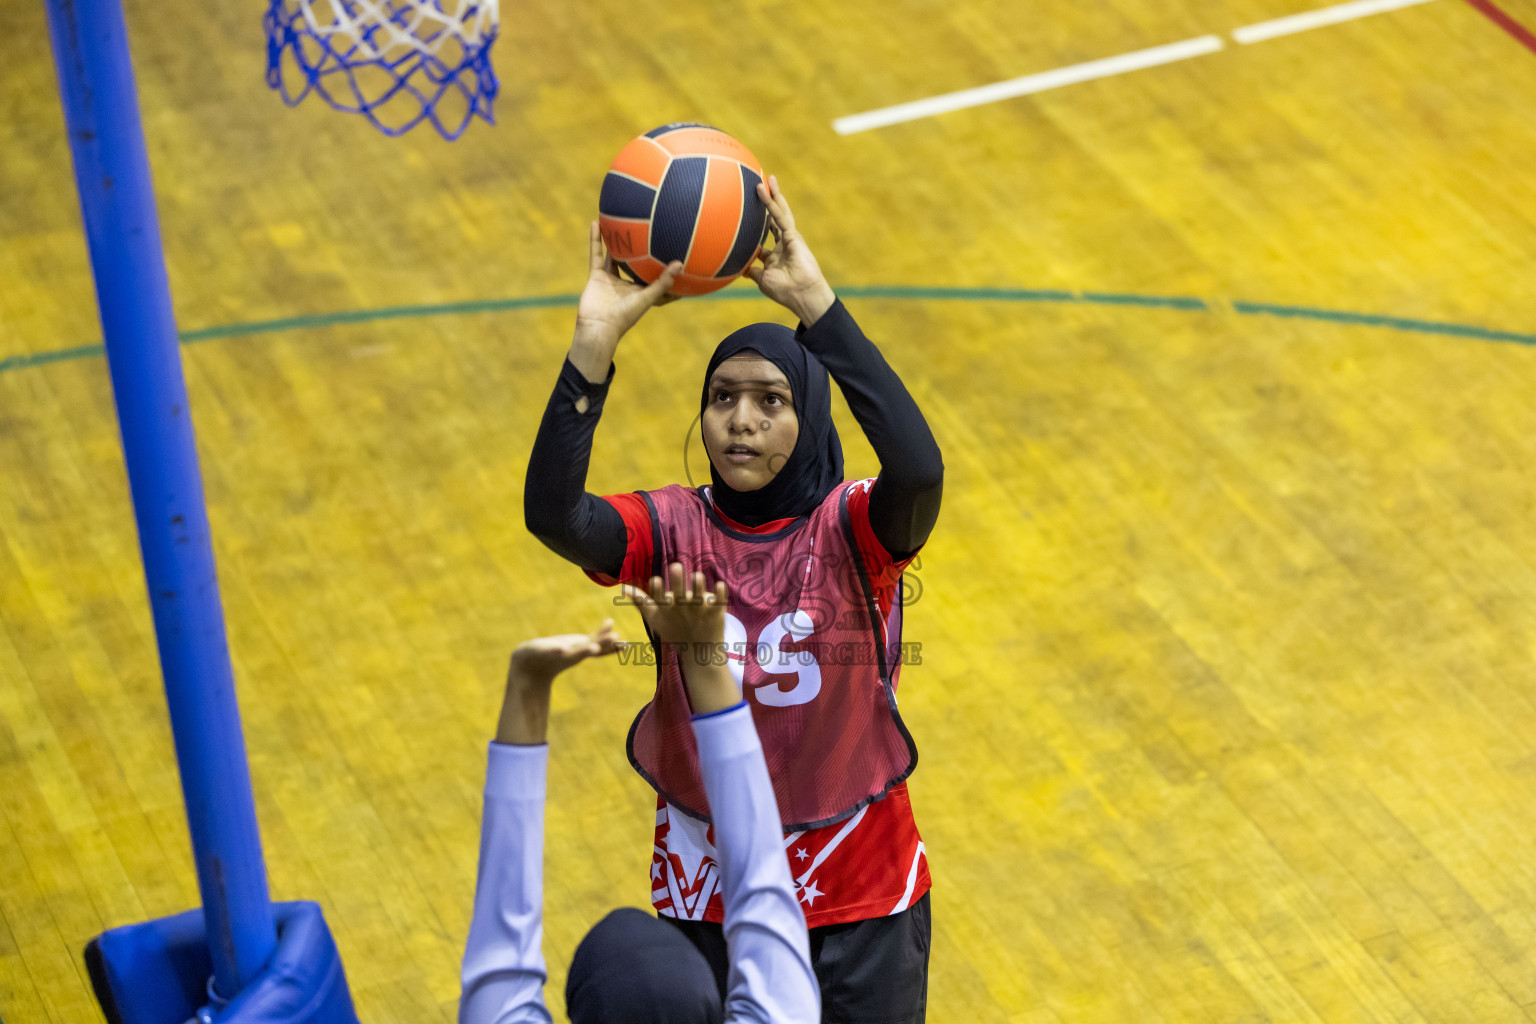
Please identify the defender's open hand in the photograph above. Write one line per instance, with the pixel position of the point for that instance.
(682, 610)
(548, 656)
(525, 707)
(684, 613)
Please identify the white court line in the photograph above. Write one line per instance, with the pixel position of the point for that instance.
(1030, 83)
(1316, 19)
(1134, 61)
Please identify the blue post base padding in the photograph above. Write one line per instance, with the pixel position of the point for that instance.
(157, 973)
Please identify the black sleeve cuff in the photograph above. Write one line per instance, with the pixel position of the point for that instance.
(832, 324)
(573, 385)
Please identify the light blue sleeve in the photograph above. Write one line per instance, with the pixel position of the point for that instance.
(503, 976)
(771, 978)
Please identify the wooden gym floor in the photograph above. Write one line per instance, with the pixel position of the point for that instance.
(1227, 704)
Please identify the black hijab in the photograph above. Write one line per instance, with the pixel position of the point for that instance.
(815, 466)
(634, 969)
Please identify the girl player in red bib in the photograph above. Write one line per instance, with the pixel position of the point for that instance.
(814, 568)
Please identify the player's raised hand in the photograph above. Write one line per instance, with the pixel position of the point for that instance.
(682, 609)
(689, 617)
(789, 274)
(548, 656)
(610, 306)
(535, 663)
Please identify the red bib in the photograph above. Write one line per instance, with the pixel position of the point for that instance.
(804, 635)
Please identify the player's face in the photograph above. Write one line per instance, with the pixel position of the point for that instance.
(749, 422)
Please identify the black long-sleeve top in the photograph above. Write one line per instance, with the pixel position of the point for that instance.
(903, 503)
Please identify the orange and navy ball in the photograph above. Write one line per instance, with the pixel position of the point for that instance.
(684, 192)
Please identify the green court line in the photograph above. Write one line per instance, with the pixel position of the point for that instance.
(906, 293)
(959, 294)
(357, 316)
(1395, 323)
(1166, 301)
(56, 356)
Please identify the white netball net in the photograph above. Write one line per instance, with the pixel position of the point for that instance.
(398, 62)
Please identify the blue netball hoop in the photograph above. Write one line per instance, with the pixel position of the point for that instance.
(396, 62)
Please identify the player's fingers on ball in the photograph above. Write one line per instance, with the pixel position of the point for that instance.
(596, 247)
(776, 192)
(657, 290)
(775, 207)
(786, 215)
(666, 277)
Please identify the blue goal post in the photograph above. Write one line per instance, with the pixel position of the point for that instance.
(237, 934)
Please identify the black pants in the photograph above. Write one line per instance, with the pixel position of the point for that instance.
(870, 972)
